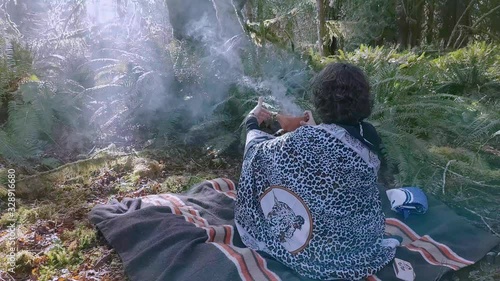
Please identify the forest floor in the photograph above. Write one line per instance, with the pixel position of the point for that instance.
(55, 237)
(59, 243)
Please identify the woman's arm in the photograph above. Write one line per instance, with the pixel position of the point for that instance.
(252, 125)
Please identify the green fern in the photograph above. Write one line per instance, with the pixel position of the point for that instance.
(471, 71)
(14, 150)
(414, 112)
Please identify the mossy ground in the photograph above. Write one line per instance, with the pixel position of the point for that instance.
(54, 237)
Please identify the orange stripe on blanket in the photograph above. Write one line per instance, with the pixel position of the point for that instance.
(158, 200)
(211, 234)
(197, 215)
(175, 210)
(242, 266)
(424, 248)
(182, 209)
(215, 185)
(231, 194)
(443, 249)
(193, 216)
(429, 258)
(446, 251)
(408, 231)
(230, 183)
(229, 235)
(174, 199)
(263, 267)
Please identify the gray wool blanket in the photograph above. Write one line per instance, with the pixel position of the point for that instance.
(192, 236)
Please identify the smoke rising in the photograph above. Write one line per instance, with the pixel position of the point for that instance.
(143, 69)
(278, 70)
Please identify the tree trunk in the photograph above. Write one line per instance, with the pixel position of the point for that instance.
(403, 25)
(409, 19)
(430, 22)
(321, 22)
(447, 11)
(416, 17)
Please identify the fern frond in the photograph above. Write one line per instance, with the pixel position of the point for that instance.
(126, 55)
(99, 62)
(103, 91)
(14, 150)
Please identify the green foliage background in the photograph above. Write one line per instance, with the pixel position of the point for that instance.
(60, 98)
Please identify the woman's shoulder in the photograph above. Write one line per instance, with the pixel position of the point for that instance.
(308, 131)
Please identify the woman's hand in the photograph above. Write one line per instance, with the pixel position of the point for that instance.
(260, 112)
(308, 119)
(289, 123)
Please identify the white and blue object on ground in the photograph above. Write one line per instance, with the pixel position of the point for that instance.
(407, 200)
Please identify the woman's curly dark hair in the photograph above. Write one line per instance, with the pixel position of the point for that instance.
(341, 94)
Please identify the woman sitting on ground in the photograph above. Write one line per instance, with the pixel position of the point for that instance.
(309, 198)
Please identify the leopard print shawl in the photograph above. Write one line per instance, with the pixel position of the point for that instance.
(310, 199)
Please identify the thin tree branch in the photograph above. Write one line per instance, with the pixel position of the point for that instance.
(458, 22)
(484, 221)
(473, 30)
(444, 174)
(12, 24)
(469, 179)
(217, 16)
(485, 15)
(461, 37)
